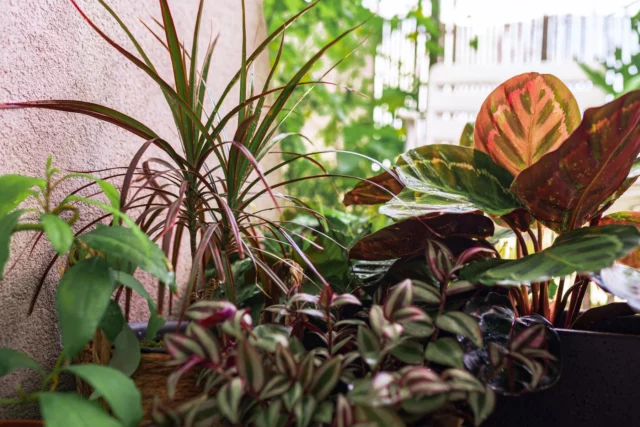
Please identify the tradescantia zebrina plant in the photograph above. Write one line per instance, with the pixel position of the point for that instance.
(212, 178)
(335, 360)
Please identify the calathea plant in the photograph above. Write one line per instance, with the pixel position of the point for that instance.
(334, 360)
(538, 170)
(99, 262)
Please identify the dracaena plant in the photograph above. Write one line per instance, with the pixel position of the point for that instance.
(331, 359)
(99, 261)
(537, 169)
(212, 177)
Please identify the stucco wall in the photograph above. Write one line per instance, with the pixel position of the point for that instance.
(48, 52)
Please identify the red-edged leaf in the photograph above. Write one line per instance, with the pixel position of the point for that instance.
(524, 118)
(344, 299)
(410, 236)
(625, 218)
(344, 413)
(326, 378)
(375, 190)
(566, 187)
(401, 296)
(285, 362)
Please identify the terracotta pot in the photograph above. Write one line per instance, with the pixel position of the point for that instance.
(151, 375)
(598, 385)
(21, 423)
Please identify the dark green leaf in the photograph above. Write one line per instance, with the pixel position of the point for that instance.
(583, 250)
(368, 346)
(449, 178)
(460, 323)
(69, 409)
(14, 189)
(155, 321)
(126, 354)
(482, 405)
(12, 360)
(82, 298)
(58, 232)
(116, 389)
(445, 351)
(326, 378)
(112, 321)
(250, 365)
(410, 352)
(7, 224)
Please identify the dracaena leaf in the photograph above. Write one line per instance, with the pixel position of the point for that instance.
(583, 250)
(375, 190)
(411, 236)
(524, 118)
(445, 351)
(566, 187)
(326, 378)
(449, 178)
(460, 323)
(250, 365)
(621, 281)
(626, 218)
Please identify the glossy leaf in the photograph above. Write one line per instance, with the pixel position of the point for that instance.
(584, 250)
(524, 118)
(462, 324)
(625, 218)
(58, 232)
(69, 409)
(14, 189)
(369, 192)
(82, 298)
(12, 360)
(621, 281)
(566, 187)
(7, 224)
(449, 178)
(121, 243)
(116, 389)
(411, 235)
(445, 351)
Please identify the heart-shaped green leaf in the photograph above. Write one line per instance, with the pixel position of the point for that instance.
(14, 189)
(82, 298)
(410, 236)
(12, 360)
(566, 187)
(115, 388)
(449, 178)
(69, 409)
(58, 232)
(524, 118)
(583, 250)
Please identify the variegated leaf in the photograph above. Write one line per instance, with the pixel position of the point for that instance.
(524, 118)
(449, 178)
(566, 187)
(626, 218)
(373, 191)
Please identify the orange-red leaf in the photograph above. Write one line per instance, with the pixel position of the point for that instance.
(524, 118)
(566, 187)
(375, 190)
(625, 218)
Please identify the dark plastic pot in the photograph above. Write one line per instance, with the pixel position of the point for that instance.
(599, 385)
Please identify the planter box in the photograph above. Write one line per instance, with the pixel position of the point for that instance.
(598, 387)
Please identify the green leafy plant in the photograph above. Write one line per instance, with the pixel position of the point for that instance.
(99, 262)
(211, 181)
(330, 359)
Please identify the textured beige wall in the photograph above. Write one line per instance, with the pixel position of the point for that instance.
(48, 52)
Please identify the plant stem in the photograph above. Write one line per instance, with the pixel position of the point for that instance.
(557, 301)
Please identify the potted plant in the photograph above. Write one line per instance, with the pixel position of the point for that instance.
(546, 178)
